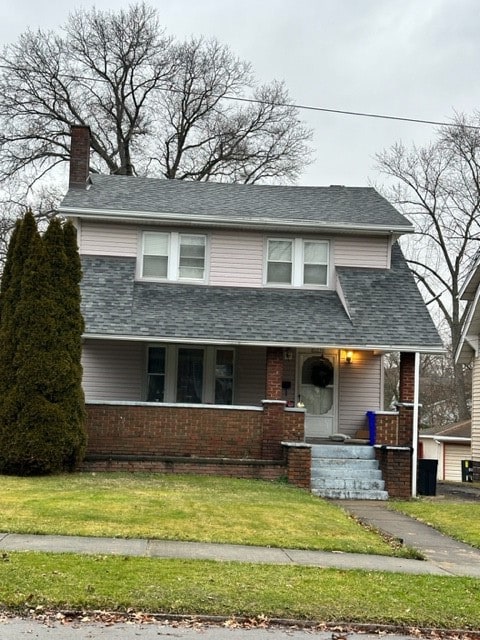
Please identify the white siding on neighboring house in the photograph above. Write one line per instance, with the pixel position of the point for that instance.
(476, 410)
(433, 450)
(236, 259)
(113, 370)
(106, 239)
(453, 456)
(359, 391)
(361, 251)
(250, 375)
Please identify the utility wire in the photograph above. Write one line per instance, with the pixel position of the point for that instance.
(300, 107)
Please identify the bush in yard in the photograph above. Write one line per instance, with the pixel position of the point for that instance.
(42, 415)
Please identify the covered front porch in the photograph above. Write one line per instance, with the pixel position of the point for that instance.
(274, 401)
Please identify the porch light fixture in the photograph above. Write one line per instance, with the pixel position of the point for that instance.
(348, 357)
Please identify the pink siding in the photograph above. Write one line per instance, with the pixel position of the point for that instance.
(236, 259)
(360, 385)
(361, 251)
(113, 370)
(108, 239)
(250, 375)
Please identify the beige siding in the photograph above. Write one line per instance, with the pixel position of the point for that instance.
(250, 375)
(108, 239)
(434, 451)
(362, 252)
(236, 259)
(453, 456)
(359, 391)
(113, 370)
(476, 410)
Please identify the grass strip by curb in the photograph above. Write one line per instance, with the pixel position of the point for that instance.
(69, 581)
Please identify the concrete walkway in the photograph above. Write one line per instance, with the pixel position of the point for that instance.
(440, 551)
(443, 555)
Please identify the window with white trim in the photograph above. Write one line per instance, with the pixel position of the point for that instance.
(315, 262)
(156, 368)
(279, 261)
(191, 374)
(297, 262)
(224, 376)
(155, 255)
(173, 256)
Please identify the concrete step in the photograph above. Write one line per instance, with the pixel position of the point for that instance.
(336, 471)
(342, 494)
(343, 463)
(348, 472)
(343, 451)
(355, 484)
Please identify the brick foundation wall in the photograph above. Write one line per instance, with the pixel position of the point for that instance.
(252, 469)
(174, 431)
(396, 466)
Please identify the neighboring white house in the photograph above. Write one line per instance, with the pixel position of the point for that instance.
(450, 446)
(468, 352)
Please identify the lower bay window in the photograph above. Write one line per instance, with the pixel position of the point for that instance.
(190, 374)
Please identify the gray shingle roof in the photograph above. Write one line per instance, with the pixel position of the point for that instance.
(385, 306)
(461, 429)
(335, 206)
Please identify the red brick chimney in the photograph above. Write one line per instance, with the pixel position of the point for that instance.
(79, 156)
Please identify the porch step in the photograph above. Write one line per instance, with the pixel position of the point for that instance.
(347, 472)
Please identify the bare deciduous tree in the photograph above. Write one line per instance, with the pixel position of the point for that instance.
(438, 188)
(154, 106)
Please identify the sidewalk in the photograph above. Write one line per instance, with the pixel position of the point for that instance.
(444, 556)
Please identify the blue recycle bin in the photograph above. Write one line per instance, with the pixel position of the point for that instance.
(372, 427)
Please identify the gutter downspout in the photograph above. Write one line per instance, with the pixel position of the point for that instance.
(416, 397)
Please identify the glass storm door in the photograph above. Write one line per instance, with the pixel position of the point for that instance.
(316, 389)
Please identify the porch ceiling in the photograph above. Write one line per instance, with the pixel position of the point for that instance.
(385, 310)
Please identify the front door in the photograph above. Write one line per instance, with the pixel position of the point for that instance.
(316, 390)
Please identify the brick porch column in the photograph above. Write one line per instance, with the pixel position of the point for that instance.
(407, 377)
(274, 373)
(273, 406)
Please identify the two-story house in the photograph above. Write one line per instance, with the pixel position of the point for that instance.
(223, 320)
(468, 352)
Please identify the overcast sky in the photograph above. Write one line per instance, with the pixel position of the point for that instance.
(409, 58)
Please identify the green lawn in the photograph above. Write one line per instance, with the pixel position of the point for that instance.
(216, 510)
(66, 581)
(458, 519)
(173, 507)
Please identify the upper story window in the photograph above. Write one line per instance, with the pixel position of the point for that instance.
(315, 262)
(173, 256)
(297, 262)
(279, 261)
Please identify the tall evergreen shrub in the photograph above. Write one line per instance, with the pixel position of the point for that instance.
(46, 434)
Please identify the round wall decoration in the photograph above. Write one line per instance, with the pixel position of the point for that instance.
(322, 373)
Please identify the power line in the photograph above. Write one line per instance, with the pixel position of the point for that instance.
(300, 107)
(361, 114)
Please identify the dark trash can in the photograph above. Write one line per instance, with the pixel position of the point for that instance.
(427, 477)
(467, 471)
(372, 427)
